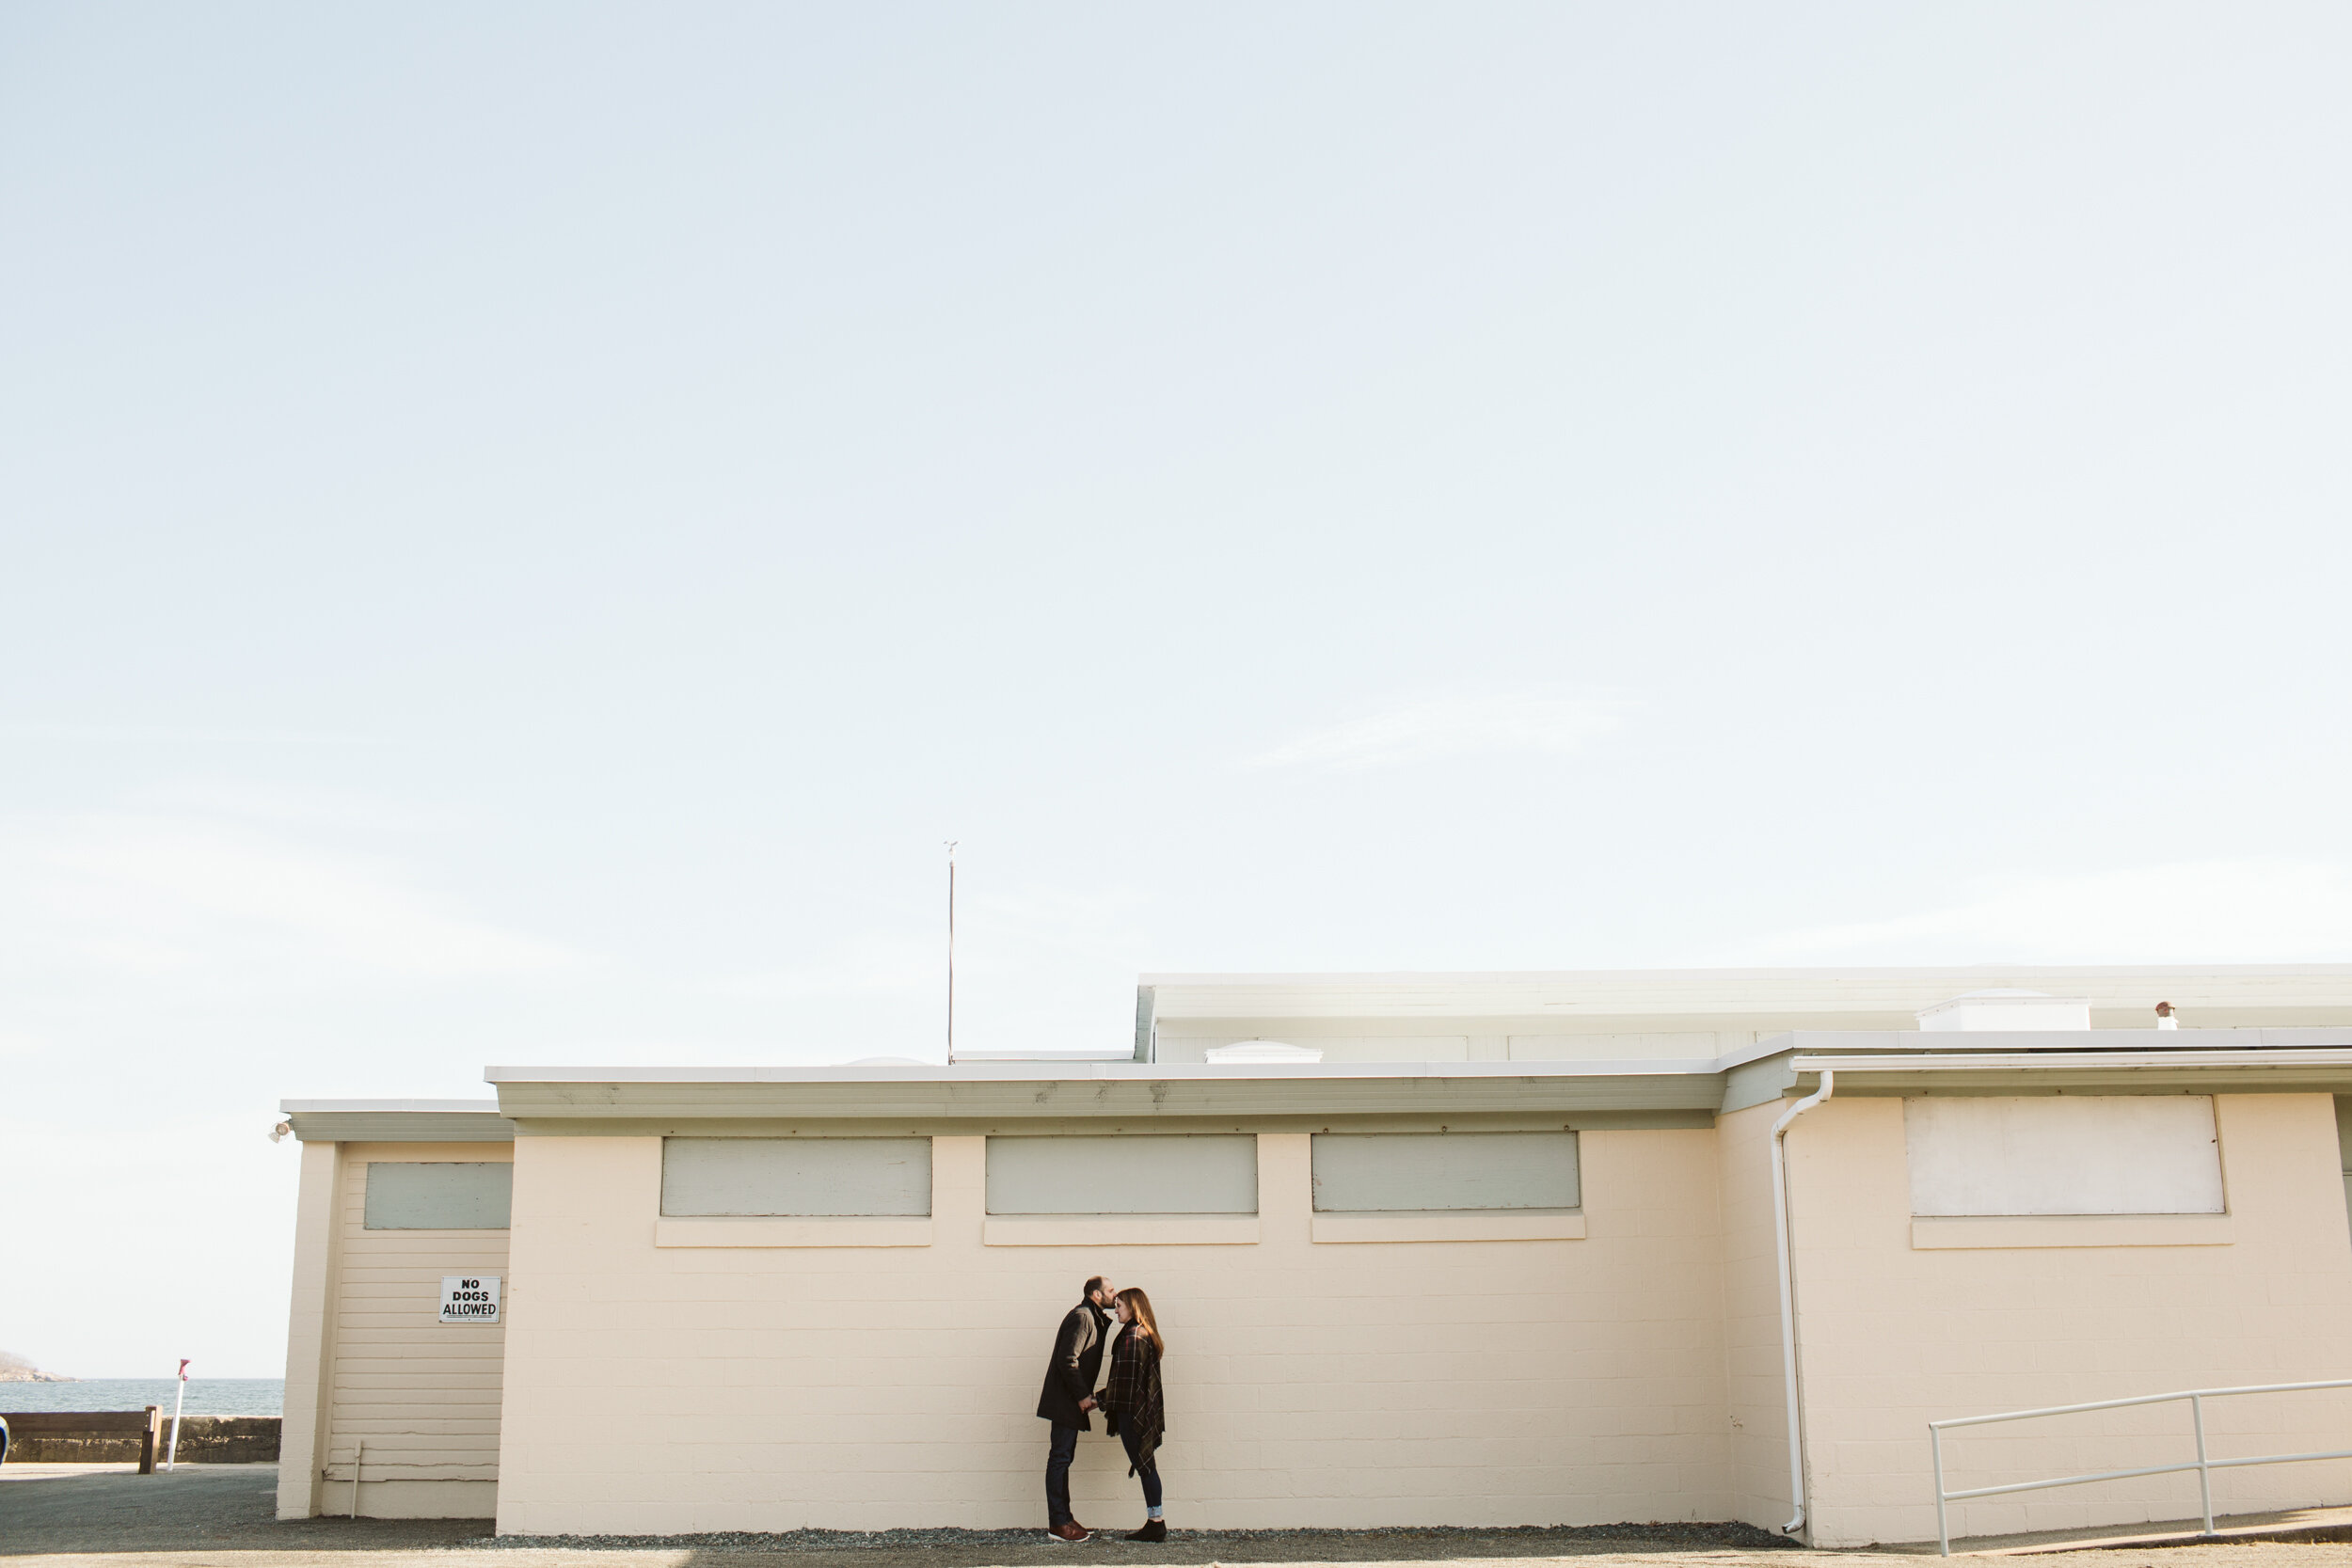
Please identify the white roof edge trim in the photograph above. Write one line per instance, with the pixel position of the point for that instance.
(977, 1073)
(1771, 1045)
(2006, 1061)
(1468, 976)
(379, 1108)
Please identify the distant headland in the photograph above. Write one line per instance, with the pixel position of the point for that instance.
(15, 1368)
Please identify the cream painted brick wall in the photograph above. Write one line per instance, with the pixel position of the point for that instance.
(1892, 1337)
(687, 1389)
(1754, 1380)
(309, 1333)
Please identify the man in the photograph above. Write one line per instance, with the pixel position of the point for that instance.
(1069, 1395)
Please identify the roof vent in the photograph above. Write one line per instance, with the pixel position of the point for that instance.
(1086, 1053)
(2006, 1011)
(1263, 1050)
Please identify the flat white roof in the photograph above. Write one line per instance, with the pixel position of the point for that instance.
(2169, 1042)
(330, 1107)
(2263, 1059)
(1567, 994)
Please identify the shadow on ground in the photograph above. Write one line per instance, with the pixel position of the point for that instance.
(231, 1508)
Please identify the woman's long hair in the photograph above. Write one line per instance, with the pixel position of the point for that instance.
(1140, 1305)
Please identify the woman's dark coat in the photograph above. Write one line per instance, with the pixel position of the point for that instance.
(1070, 1375)
(1132, 1403)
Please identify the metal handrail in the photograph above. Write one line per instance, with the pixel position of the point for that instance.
(2203, 1464)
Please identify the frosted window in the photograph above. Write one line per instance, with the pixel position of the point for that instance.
(795, 1176)
(1132, 1174)
(2344, 1145)
(419, 1195)
(1377, 1172)
(2064, 1154)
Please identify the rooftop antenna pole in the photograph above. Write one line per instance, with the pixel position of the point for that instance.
(951, 949)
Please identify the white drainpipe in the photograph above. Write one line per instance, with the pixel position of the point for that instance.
(1789, 1294)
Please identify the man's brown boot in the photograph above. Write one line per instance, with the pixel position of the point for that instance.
(1072, 1532)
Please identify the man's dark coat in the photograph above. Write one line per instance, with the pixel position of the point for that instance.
(1069, 1376)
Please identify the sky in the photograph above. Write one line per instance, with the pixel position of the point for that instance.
(525, 529)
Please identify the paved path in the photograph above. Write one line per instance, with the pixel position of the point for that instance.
(113, 1508)
(220, 1516)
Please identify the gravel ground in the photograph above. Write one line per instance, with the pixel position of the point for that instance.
(2252, 1555)
(86, 1509)
(948, 1548)
(219, 1516)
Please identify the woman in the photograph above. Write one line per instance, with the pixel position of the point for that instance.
(1132, 1404)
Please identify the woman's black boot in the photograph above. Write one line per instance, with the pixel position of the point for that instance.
(1153, 1529)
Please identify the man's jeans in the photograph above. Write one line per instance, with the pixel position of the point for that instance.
(1057, 1459)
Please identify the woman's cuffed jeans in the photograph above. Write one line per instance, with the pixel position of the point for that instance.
(1145, 1471)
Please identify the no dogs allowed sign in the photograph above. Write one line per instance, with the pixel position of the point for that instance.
(469, 1298)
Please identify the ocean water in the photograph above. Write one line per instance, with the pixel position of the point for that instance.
(207, 1396)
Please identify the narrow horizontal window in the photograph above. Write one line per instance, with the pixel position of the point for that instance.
(2344, 1145)
(2064, 1154)
(1407, 1172)
(433, 1195)
(808, 1177)
(1132, 1174)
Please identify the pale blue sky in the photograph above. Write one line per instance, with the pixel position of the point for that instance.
(525, 527)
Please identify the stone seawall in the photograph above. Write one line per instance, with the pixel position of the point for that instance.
(203, 1440)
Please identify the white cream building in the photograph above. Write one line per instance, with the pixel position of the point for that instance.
(1461, 1249)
